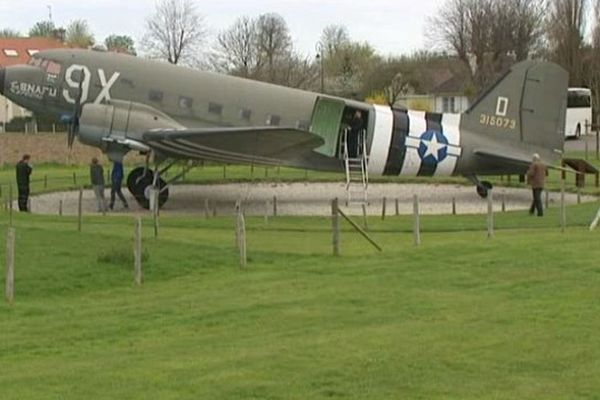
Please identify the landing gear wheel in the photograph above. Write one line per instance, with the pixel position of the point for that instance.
(483, 188)
(578, 132)
(141, 185)
(136, 176)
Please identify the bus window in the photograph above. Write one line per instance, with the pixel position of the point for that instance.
(579, 99)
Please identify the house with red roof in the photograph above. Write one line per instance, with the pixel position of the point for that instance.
(18, 51)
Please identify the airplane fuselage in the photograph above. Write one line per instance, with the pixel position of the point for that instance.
(399, 142)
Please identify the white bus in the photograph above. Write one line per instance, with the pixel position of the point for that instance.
(579, 111)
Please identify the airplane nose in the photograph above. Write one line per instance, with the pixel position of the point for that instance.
(2, 73)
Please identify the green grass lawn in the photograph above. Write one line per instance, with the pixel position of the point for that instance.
(460, 317)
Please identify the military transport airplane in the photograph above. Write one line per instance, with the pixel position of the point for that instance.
(121, 103)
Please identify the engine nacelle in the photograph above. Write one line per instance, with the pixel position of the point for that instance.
(120, 122)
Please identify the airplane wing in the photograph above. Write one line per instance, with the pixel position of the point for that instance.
(269, 145)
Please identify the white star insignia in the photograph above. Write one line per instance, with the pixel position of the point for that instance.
(433, 147)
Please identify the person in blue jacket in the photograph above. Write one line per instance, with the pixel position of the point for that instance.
(116, 179)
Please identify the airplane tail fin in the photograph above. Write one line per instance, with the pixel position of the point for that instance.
(528, 105)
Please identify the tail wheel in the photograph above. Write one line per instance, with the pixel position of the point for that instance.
(578, 131)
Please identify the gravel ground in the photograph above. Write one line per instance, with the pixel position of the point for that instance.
(305, 199)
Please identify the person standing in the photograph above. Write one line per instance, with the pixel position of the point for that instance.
(116, 180)
(536, 178)
(23, 173)
(97, 180)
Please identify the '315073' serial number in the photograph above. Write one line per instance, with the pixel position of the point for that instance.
(499, 122)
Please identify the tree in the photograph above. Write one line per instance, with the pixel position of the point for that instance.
(120, 44)
(566, 27)
(78, 34)
(174, 32)
(42, 29)
(488, 35)
(237, 51)
(9, 33)
(273, 41)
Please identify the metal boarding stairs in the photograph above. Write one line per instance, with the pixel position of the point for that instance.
(357, 174)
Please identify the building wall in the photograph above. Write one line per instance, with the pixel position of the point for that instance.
(9, 110)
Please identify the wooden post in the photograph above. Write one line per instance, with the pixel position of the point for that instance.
(503, 202)
(137, 252)
(9, 290)
(453, 205)
(75, 178)
(240, 234)
(214, 210)
(252, 170)
(224, 171)
(206, 209)
(397, 207)
(60, 208)
(79, 209)
(416, 221)
(274, 206)
(547, 199)
(45, 181)
(267, 209)
(335, 227)
(383, 206)
(10, 205)
(563, 209)
(365, 220)
(490, 214)
(578, 195)
(598, 141)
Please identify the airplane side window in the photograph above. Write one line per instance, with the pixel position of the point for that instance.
(155, 95)
(186, 102)
(245, 114)
(273, 120)
(215, 108)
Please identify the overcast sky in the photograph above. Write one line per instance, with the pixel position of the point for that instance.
(391, 26)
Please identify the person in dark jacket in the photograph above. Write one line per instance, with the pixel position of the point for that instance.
(97, 180)
(23, 172)
(536, 177)
(356, 126)
(116, 179)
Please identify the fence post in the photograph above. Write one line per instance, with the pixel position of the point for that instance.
(240, 234)
(10, 205)
(274, 206)
(453, 205)
(547, 199)
(79, 209)
(397, 207)
(155, 207)
(383, 207)
(137, 252)
(416, 221)
(9, 290)
(335, 227)
(563, 209)
(75, 178)
(490, 214)
(206, 209)
(503, 202)
(365, 220)
(45, 181)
